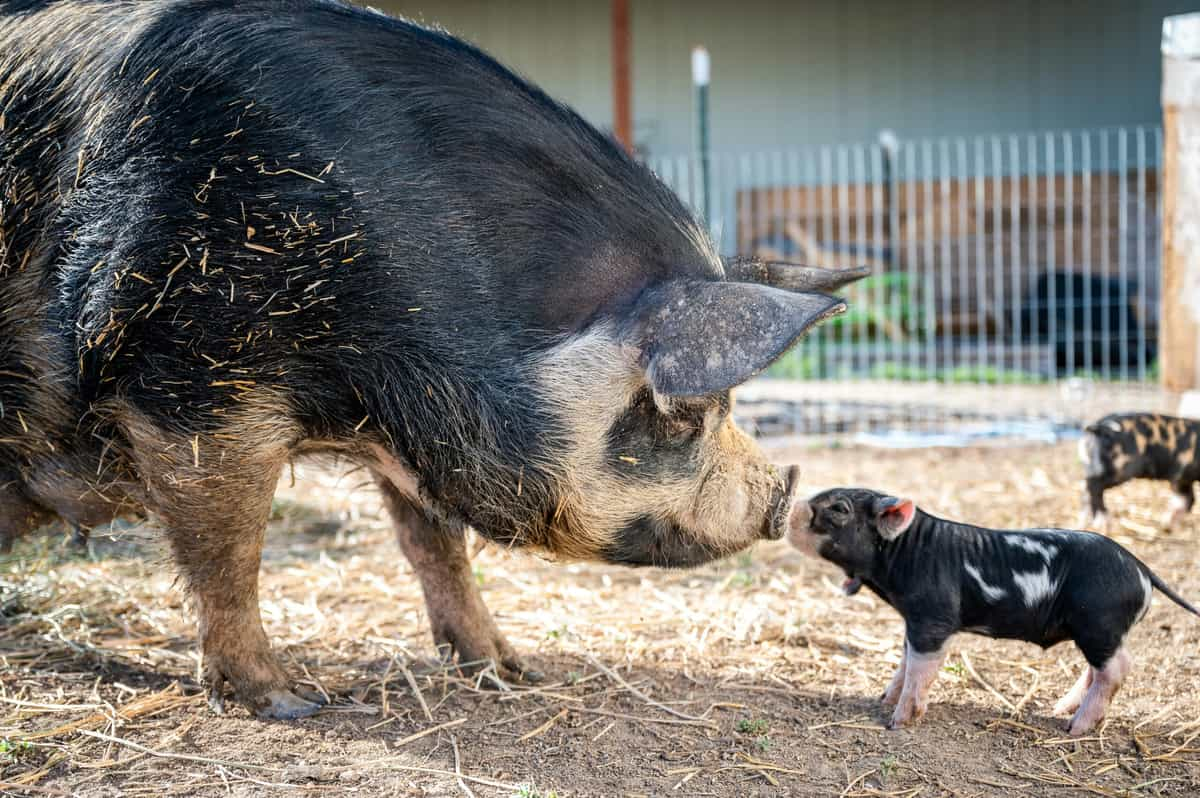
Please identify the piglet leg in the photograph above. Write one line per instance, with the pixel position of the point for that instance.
(1095, 514)
(1105, 683)
(891, 696)
(920, 671)
(1182, 498)
(1074, 697)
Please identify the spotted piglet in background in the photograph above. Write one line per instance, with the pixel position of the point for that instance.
(1121, 447)
(1043, 586)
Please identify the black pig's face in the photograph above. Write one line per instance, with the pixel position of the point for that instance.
(847, 526)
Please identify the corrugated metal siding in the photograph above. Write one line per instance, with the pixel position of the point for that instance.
(791, 74)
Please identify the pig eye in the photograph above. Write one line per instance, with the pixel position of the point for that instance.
(842, 508)
(687, 419)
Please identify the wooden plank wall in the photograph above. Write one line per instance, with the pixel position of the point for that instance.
(983, 242)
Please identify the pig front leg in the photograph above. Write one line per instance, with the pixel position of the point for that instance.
(891, 696)
(1094, 515)
(460, 621)
(921, 669)
(1182, 499)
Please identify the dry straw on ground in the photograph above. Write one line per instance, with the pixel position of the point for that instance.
(750, 676)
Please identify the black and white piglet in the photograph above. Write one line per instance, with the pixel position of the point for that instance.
(1041, 585)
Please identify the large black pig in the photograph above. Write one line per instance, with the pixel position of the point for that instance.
(232, 233)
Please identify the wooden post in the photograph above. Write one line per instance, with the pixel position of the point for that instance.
(622, 102)
(1179, 338)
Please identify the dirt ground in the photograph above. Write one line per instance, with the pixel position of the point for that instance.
(752, 676)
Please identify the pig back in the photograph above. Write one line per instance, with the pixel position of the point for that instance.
(218, 199)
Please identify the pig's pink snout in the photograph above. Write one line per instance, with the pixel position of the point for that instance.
(799, 520)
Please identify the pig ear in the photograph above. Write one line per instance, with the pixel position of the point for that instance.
(701, 337)
(893, 516)
(791, 276)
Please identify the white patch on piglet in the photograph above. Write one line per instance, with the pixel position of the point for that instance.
(1035, 586)
(1046, 551)
(1147, 591)
(990, 592)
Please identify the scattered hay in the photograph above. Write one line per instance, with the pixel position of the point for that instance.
(750, 676)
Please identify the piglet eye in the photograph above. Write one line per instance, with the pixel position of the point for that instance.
(842, 507)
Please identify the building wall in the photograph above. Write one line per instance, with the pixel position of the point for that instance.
(790, 74)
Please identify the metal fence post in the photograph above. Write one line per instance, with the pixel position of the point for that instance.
(700, 77)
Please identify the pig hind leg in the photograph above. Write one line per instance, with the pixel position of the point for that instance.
(1106, 680)
(920, 671)
(1074, 697)
(215, 522)
(460, 621)
(18, 516)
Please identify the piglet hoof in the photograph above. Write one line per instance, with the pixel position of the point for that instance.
(282, 704)
(906, 714)
(1078, 729)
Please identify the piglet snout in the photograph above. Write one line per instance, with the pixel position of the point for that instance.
(800, 516)
(799, 526)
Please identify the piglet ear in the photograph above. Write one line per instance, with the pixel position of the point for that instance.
(698, 337)
(893, 516)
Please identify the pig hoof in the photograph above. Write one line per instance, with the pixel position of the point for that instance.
(286, 705)
(216, 694)
(1172, 521)
(216, 702)
(508, 671)
(1078, 728)
(531, 677)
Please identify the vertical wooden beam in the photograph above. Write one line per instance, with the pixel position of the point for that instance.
(1179, 337)
(622, 101)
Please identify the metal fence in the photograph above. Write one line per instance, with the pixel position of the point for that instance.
(1017, 259)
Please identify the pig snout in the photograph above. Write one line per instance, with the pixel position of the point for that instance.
(799, 528)
(778, 521)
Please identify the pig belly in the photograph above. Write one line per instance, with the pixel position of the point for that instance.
(1016, 622)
